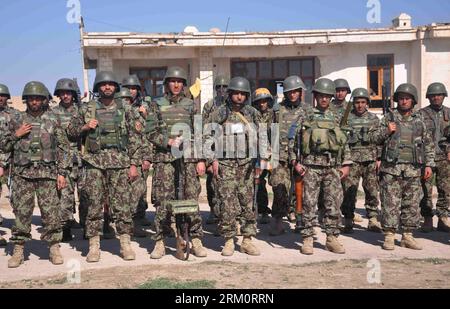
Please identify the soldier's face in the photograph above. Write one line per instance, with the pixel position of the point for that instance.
(127, 100)
(360, 105)
(341, 93)
(238, 97)
(3, 100)
(134, 91)
(436, 99)
(66, 97)
(107, 89)
(294, 95)
(263, 105)
(221, 91)
(175, 85)
(35, 103)
(405, 102)
(323, 100)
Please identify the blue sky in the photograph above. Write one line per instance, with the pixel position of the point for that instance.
(37, 42)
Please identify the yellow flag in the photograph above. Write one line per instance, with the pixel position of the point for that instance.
(196, 88)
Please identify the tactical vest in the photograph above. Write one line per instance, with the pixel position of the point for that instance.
(37, 147)
(286, 117)
(436, 123)
(359, 134)
(406, 144)
(322, 135)
(64, 117)
(111, 131)
(177, 113)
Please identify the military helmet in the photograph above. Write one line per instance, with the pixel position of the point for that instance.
(176, 72)
(221, 81)
(292, 83)
(4, 90)
(406, 88)
(66, 84)
(261, 94)
(131, 81)
(35, 88)
(239, 84)
(361, 93)
(123, 93)
(324, 86)
(105, 76)
(341, 83)
(436, 88)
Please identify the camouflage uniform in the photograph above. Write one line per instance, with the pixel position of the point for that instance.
(110, 150)
(364, 156)
(6, 115)
(64, 116)
(170, 110)
(38, 158)
(321, 169)
(436, 122)
(400, 171)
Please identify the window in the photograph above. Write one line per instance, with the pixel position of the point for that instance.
(270, 73)
(152, 80)
(380, 72)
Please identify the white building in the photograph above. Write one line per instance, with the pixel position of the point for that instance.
(365, 57)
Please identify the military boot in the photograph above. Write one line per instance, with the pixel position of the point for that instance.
(55, 255)
(228, 248)
(248, 247)
(126, 251)
(374, 225)
(389, 240)
(3, 242)
(159, 251)
(197, 248)
(94, 250)
(408, 241)
(17, 257)
(333, 245)
(443, 224)
(307, 247)
(427, 225)
(348, 226)
(357, 218)
(67, 234)
(277, 227)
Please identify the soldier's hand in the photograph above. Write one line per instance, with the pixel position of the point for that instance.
(427, 173)
(345, 172)
(133, 173)
(201, 168)
(61, 182)
(300, 169)
(91, 125)
(2, 171)
(215, 168)
(175, 142)
(146, 165)
(23, 130)
(448, 156)
(143, 111)
(392, 127)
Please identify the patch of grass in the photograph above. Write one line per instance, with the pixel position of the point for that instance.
(165, 283)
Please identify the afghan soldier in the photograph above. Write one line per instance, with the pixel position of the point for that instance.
(263, 101)
(220, 86)
(172, 110)
(280, 179)
(234, 167)
(339, 103)
(408, 149)
(6, 115)
(68, 106)
(39, 150)
(141, 105)
(324, 162)
(366, 160)
(436, 117)
(110, 160)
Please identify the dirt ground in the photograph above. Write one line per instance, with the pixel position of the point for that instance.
(365, 264)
